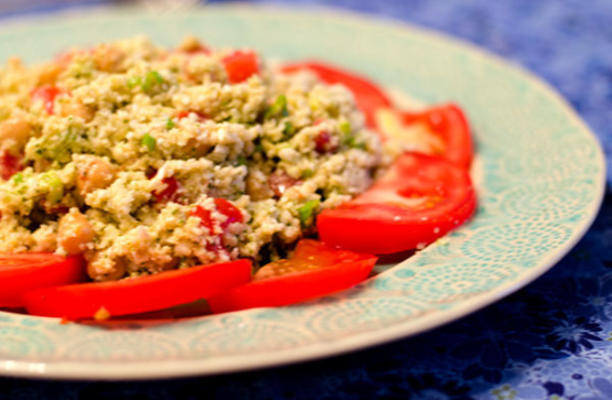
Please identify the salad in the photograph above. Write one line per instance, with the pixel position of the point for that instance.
(136, 178)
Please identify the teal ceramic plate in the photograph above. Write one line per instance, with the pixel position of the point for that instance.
(540, 177)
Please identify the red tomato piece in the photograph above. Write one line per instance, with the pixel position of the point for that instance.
(226, 208)
(47, 95)
(450, 124)
(368, 96)
(185, 113)
(27, 271)
(240, 66)
(205, 217)
(169, 193)
(232, 212)
(137, 295)
(9, 165)
(314, 270)
(419, 199)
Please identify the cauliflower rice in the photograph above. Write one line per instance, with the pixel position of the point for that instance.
(137, 137)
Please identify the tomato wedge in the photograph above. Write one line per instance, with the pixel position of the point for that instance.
(419, 199)
(240, 65)
(27, 271)
(368, 96)
(449, 123)
(314, 270)
(137, 295)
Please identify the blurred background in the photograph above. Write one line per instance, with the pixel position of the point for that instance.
(551, 340)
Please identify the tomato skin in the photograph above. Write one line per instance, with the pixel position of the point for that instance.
(240, 66)
(137, 295)
(448, 122)
(315, 270)
(418, 200)
(368, 96)
(27, 271)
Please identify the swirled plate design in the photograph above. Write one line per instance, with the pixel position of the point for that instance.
(540, 177)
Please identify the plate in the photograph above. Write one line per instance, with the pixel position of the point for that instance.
(540, 178)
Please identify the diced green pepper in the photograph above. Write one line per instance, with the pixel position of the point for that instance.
(151, 79)
(134, 81)
(345, 128)
(278, 107)
(54, 185)
(148, 141)
(170, 124)
(306, 212)
(17, 178)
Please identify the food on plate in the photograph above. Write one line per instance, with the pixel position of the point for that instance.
(155, 169)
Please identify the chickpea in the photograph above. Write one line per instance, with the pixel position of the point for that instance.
(95, 174)
(100, 268)
(108, 58)
(16, 130)
(76, 109)
(48, 73)
(190, 43)
(74, 232)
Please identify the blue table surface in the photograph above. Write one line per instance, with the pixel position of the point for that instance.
(551, 340)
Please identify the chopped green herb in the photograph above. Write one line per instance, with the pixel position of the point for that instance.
(307, 173)
(241, 160)
(258, 148)
(278, 107)
(55, 186)
(148, 141)
(345, 128)
(170, 124)
(289, 129)
(306, 212)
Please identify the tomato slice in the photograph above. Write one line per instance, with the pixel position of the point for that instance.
(419, 199)
(137, 295)
(314, 270)
(27, 271)
(368, 96)
(240, 66)
(449, 124)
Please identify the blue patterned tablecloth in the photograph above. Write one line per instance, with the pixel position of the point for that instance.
(551, 340)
